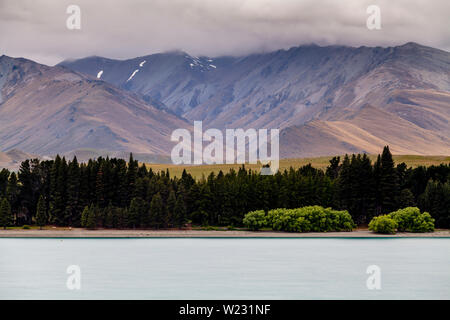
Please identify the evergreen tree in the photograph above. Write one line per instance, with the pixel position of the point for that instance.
(91, 222)
(377, 178)
(58, 191)
(171, 201)
(84, 216)
(436, 201)
(156, 211)
(12, 191)
(141, 187)
(131, 178)
(283, 200)
(345, 184)
(418, 181)
(6, 217)
(186, 180)
(121, 217)
(389, 186)
(406, 199)
(100, 188)
(142, 171)
(26, 189)
(4, 177)
(120, 181)
(134, 213)
(73, 208)
(109, 216)
(179, 212)
(41, 213)
(333, 168)
(364, 193)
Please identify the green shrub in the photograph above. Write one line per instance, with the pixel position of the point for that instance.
(306, 219)
(383, 224)
(255, 220)
(274, 215)
(410, 219)
(26, 227)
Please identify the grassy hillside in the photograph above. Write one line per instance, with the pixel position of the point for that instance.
(319, 162)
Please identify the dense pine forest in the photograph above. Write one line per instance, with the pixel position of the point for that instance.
(113, 193)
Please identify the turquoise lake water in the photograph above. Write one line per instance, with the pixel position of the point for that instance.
(225, 268)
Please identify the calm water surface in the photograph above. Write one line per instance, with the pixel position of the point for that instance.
(225, 268)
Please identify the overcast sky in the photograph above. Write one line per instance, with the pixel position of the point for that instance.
(36, 29)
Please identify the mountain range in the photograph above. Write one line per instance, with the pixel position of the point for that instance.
(48, 110)
(326, 100)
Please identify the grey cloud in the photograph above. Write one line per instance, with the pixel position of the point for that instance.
(124, 29)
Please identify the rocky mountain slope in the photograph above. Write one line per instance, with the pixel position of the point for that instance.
(48, 110)
(326, 100)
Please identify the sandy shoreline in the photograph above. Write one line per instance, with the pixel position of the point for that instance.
(108, 233)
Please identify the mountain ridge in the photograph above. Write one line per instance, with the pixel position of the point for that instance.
(48, 110)
(325, 100)
(290, 88)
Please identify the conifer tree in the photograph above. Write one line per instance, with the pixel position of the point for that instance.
(345, 184)
(121, 217)
(179, 212)
(142, 171)
(12, 191)
(109, 216)
(134, 213)
(436, 200)
(4, 177)
(366, 195)
(122, 184)
(26, 187)
(84, 216)
(131, 177)
(91, 222)
(100, 188)
(41, 213)
(377, 178)
(171, 201)
(73, 208)
(333, 168)
(406, 199)
(58, 191)
(389, 187)
(156, 211)
(6, 217)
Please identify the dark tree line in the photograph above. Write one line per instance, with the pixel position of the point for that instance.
(113, 193)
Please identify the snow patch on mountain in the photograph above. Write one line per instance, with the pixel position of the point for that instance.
(202, 64)
(133, 74)
(99, 74)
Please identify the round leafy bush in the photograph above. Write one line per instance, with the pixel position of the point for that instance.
(410, 219)
(383, 224)
(306, 219)
(255, 220)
